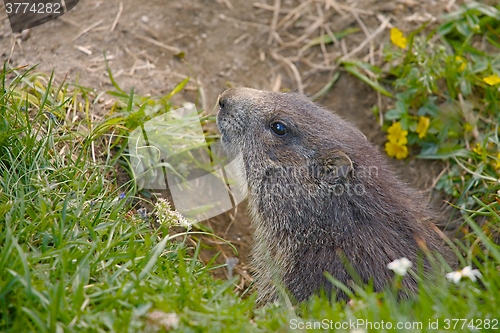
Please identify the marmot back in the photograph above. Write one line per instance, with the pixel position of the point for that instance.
(319, 194)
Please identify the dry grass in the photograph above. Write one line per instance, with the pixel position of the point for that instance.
(295, 26)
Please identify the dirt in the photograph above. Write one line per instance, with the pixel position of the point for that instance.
(224, 43)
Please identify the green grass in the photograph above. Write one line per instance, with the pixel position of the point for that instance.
(77, 255)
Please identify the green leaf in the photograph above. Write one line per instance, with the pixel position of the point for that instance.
(492, 247)
(363, 65)
(494, 43)
(465, 87)
(459, 46)
(393, 114)
(327, 87)
(443, 155)
(156, 252)
(375, 85)
(446, 28)
(111, 78)
(327, 39)
(177, 89)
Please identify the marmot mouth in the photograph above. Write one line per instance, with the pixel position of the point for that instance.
(224, 125)
(224, 139)
(221, 128)
(219, 120)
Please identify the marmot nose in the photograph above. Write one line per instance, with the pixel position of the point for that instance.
(223, 105)
(222, 102)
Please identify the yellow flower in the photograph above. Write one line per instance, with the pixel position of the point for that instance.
(396, 133)
(422, 126)
(477, 149)
(461, 63)
(402, 141)
(492, 79)
(396, 147)
(396, 150)
(468, 127)
(497, 165)
(398, 38)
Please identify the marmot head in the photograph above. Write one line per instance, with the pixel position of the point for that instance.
(286, 130)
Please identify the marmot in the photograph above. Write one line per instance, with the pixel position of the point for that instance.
(322, 198)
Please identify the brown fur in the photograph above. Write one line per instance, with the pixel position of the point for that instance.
(318, 196)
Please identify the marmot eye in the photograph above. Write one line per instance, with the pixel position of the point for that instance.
(279, 129)
(222, 103)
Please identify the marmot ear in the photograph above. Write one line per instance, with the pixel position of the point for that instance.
(337, 164)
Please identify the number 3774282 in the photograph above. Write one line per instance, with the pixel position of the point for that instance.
(32, 8)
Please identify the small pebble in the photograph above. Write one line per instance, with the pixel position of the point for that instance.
(144, 19)
(25, 34)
